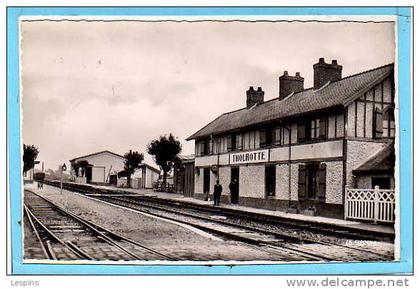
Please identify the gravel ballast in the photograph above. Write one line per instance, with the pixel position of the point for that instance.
(168, 238)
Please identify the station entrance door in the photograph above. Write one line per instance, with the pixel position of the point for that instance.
(234, 185)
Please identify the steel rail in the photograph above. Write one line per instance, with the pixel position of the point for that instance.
(326, 229)
(97, 229)
(49, 232)
(88, 189)
(263, 231)
(244, 239)
(46, 250)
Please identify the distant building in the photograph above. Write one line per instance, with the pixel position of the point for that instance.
(99, 167)
(144, 177)
(184, 175)
(303, 148)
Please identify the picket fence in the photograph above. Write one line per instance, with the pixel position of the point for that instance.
(377, 205)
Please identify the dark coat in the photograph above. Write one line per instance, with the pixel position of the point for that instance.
(218, 189)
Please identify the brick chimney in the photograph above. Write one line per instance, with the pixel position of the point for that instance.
(254, 96)
(324, 72)
(289, 84)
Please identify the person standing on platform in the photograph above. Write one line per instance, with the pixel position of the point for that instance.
(217, 192)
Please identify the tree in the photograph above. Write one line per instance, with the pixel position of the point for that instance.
(131, 163)
(164, 151)
(80, 165)
(30, 152)
(75, 166)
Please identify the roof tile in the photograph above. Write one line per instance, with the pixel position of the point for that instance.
(338, 93)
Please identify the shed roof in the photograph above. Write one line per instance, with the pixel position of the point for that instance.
(382, 161)
(186, 158)
(335, 94)
(97, 153)
(149, 167)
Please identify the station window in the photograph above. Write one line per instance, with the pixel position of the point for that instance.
(312, 181)
(312, 129)
(303, 135)
(277, 135)
(270, 180)
(284, 140)
(388, 122)
(203, 148)
(231, 142)
(252, 138)
(239, 143)
(319, 128)
(266, 137)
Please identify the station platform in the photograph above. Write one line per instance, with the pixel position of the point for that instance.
(385, 230)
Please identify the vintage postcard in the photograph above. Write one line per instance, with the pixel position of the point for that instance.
(163, 141)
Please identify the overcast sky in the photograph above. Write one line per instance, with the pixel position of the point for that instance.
(92, 86)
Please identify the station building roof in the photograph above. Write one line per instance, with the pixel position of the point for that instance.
(338, 93)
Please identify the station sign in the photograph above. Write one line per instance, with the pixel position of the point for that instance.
(258, 156)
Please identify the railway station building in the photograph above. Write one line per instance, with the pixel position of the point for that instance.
(301, 150)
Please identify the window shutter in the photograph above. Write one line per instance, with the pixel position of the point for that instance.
(263, 138)
(210, 147)
(301, 132)
(321, 181)
(276, 135)
(322, 127)
(203, 148)
(229, 143)
(302, 182)
(377, 123)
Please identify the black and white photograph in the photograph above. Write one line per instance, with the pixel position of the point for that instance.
(209, 140)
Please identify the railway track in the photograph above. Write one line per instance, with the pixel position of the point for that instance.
(298, 225)
(65, 236)
(300, 243)
(285, 240)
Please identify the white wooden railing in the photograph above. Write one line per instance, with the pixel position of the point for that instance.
(370, 204)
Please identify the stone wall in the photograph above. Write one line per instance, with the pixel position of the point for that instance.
(334, 190)
(282, 182)
(294, 181)
(198, 179)
(224, 179)
(251, 181)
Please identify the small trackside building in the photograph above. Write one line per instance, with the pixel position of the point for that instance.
(184, 175)
(144, 177)
(100, 167)
(299, 151)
